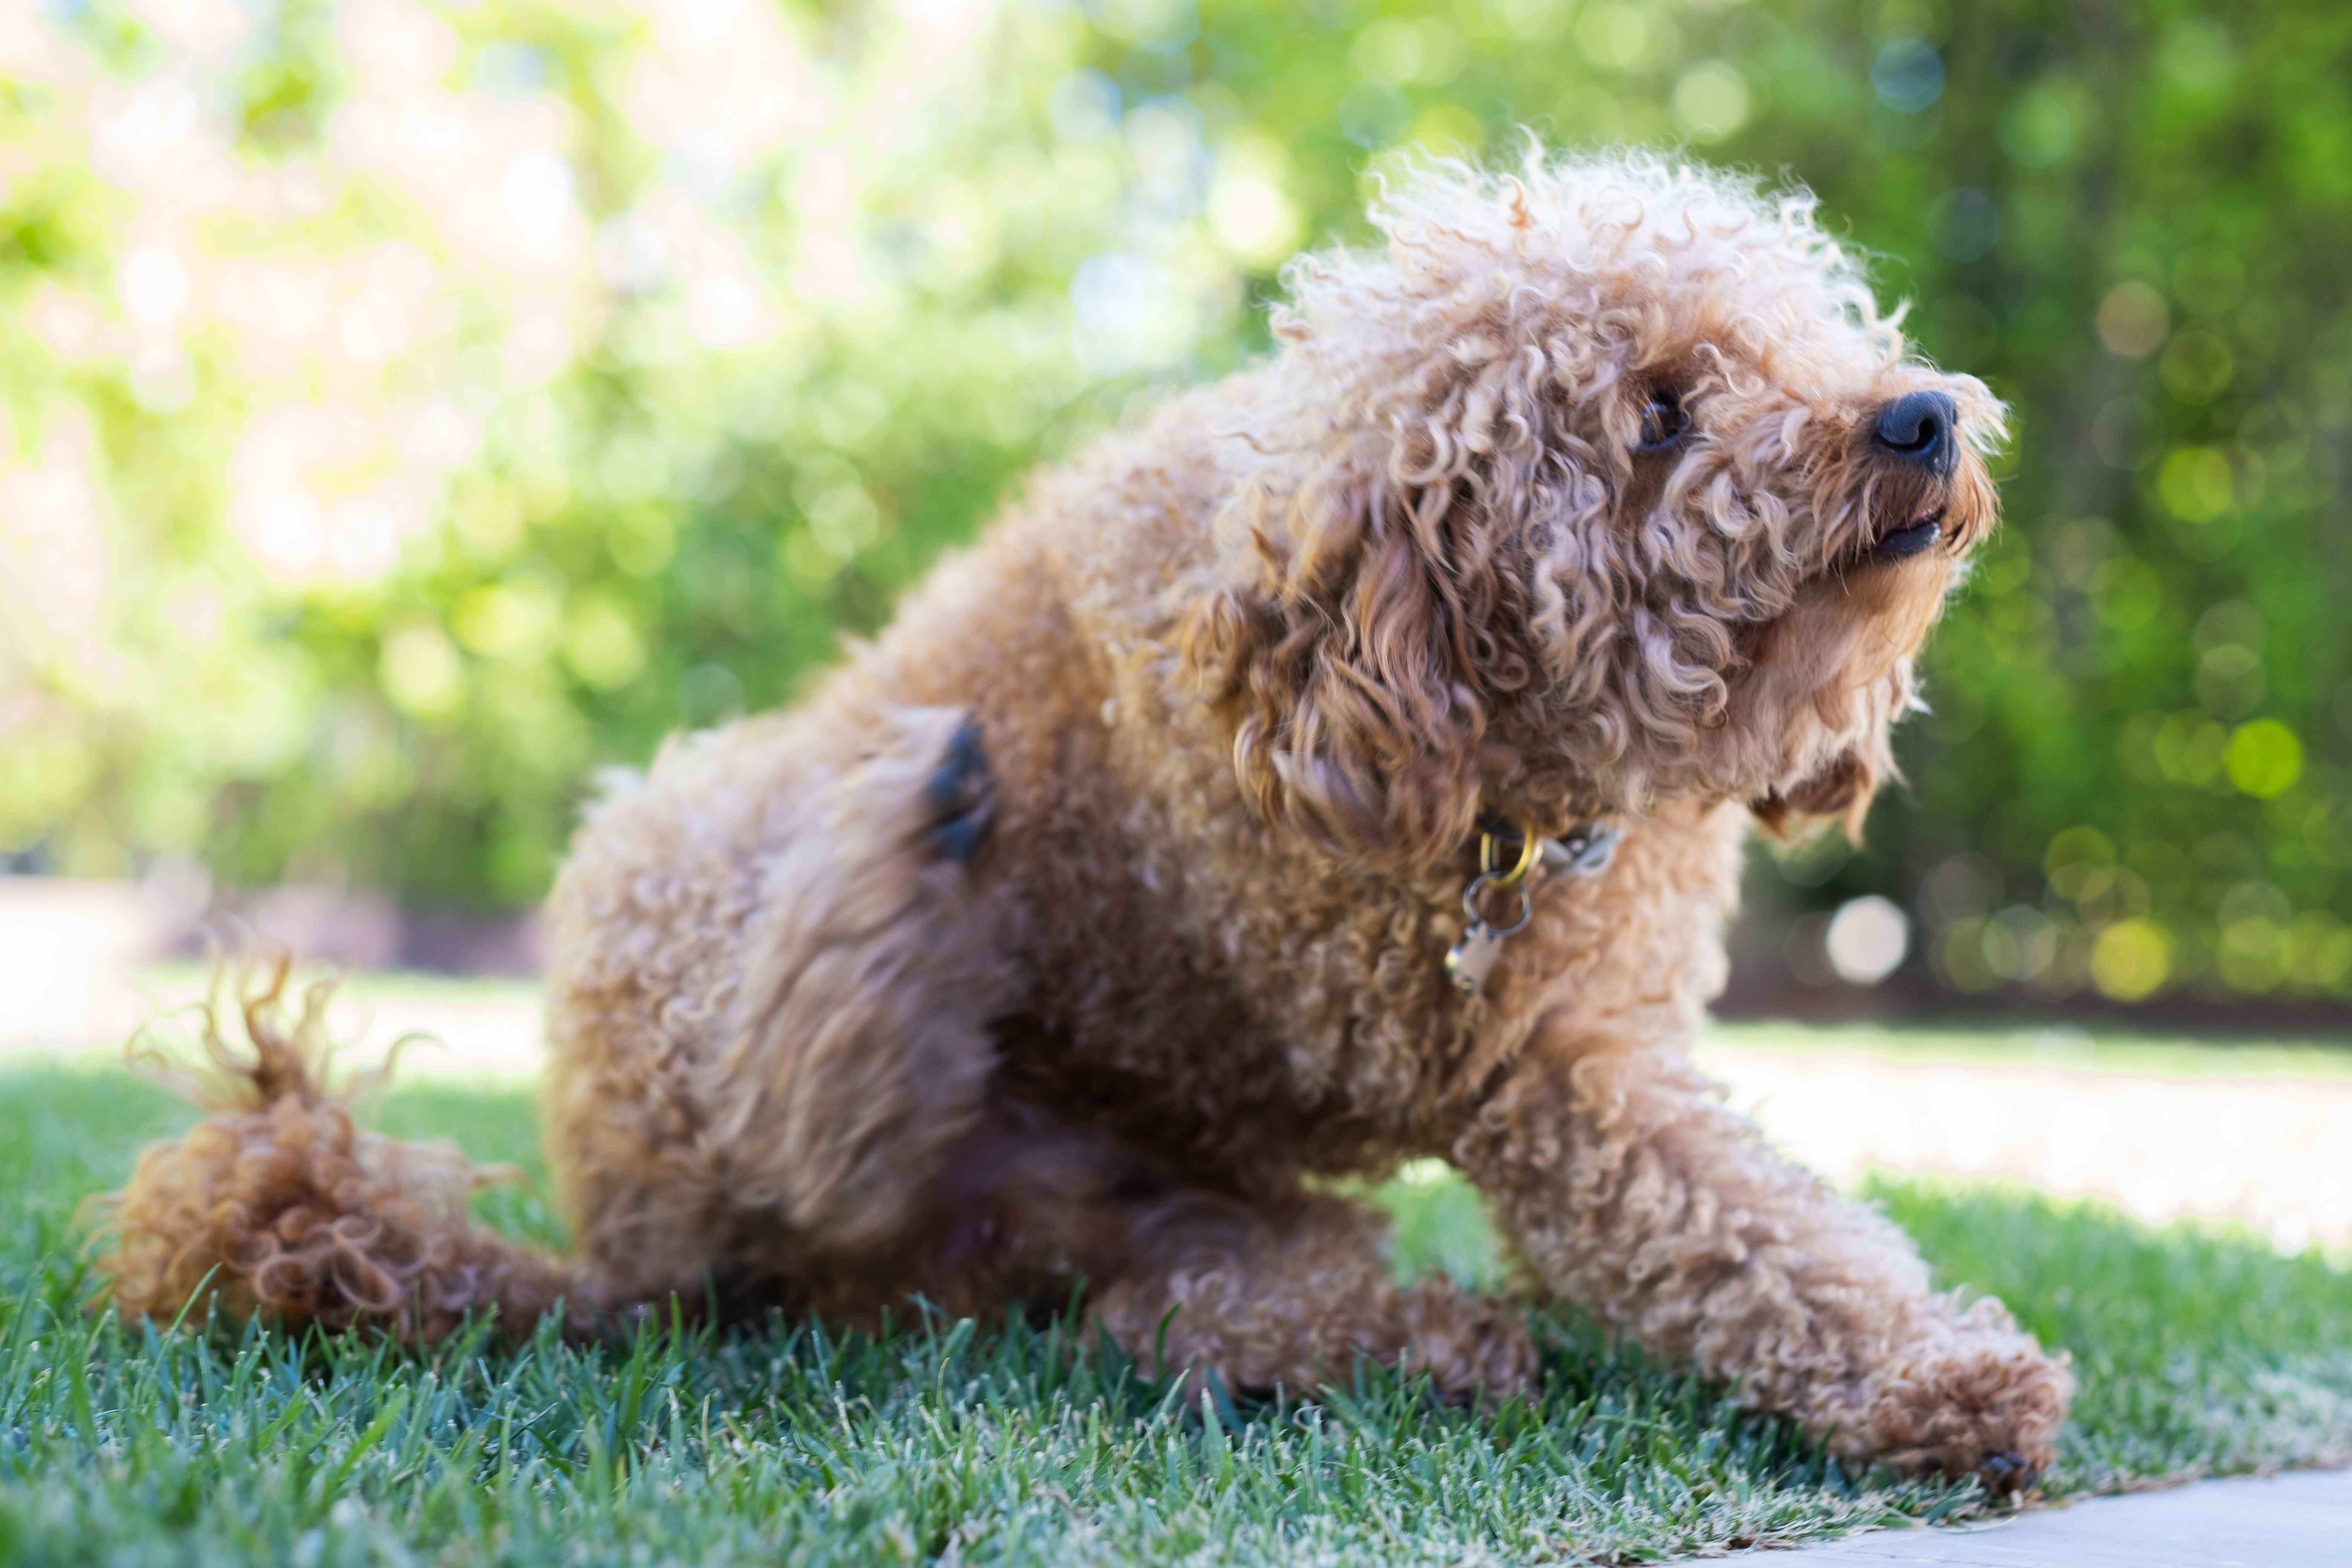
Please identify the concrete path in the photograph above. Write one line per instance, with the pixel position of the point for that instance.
(2299, 1520)
(2051, 1108)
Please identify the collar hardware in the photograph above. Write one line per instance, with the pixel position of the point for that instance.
(1583, 851)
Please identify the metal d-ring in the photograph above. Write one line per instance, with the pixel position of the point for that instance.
(1530, 851)
(1486, 880)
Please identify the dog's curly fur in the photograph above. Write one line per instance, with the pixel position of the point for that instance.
(1072, 927)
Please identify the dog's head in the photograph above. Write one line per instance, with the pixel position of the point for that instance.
(1602, 485)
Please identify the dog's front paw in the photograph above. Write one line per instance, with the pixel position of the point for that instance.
(1977, 1397)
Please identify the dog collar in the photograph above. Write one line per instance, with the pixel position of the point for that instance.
(1514, 856)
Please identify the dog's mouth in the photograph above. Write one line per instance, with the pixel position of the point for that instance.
(1914, 538)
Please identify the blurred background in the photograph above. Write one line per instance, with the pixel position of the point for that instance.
(407, 409)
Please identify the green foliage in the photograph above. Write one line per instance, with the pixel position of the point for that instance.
(406, 410)
(1004, 1443)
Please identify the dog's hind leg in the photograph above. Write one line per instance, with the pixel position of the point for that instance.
(1284, 1290)
(1292, 1294)
(758, 1084)
(859, 1048)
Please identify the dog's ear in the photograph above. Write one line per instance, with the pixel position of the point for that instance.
(1338, 648)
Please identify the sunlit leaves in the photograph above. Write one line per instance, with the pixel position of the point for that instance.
(515, 383)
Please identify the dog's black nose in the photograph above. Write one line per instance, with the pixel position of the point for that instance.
(1921, 427)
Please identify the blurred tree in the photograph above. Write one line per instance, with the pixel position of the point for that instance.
(407, 408)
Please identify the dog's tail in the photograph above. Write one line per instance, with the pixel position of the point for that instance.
(276, 1206)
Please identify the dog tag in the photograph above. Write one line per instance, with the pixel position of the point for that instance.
(1471, 960)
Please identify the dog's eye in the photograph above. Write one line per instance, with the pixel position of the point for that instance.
(1662, 419)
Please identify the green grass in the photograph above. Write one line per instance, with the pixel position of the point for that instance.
(951, 1441)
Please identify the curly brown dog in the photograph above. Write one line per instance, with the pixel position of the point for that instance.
(1184, 841)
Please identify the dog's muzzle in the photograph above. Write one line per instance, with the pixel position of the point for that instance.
(1915, 442)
